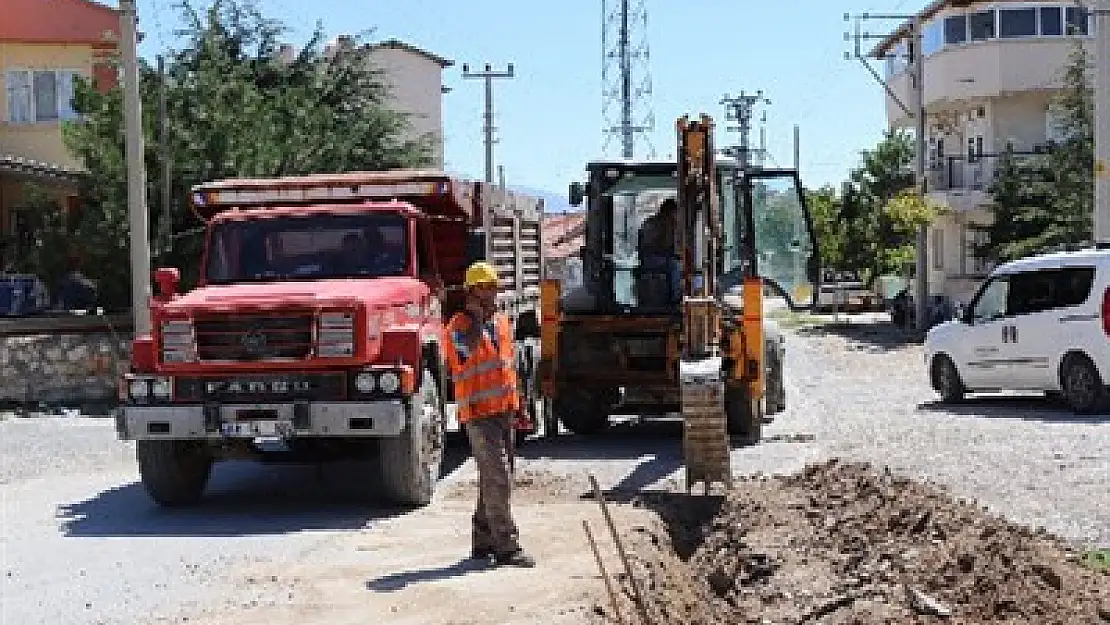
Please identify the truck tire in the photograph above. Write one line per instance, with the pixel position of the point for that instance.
(173, 473)
(410, 462)
(583, 412)
(745, 417)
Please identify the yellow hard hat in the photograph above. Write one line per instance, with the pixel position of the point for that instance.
(481, 274)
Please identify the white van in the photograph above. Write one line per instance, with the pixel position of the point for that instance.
(1040, 323)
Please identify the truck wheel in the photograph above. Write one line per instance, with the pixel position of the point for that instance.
(745, 417)
(411, 461)
(174, 473)
(583, 412)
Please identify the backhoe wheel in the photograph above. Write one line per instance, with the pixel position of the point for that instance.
(174, 473)
(410, 462)
(583, 412)
(745, 416)
(775, 385)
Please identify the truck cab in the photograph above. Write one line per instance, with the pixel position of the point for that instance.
(314, 330)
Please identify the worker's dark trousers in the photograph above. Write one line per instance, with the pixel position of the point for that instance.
(492, 524)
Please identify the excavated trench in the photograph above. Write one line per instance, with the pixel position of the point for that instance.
(846, 544)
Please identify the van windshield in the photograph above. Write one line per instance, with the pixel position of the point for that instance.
(309, 247)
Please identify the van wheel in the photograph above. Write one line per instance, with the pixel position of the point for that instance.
(411, 461)
(946, 380)
(1083, 387)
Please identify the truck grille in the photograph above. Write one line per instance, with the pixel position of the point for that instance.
(252, 337)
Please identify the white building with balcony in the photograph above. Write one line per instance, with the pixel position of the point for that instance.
(991, 72)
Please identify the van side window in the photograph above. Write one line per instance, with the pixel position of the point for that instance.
(1073, 286)
(991, 302)
(1032, 292)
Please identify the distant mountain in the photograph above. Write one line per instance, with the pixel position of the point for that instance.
(552, 202)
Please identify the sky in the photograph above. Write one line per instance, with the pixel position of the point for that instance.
(549, 117)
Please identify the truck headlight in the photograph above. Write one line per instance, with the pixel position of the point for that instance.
(364, 382)
(140, 389)
(146, 388)
(335, 334)
(161, 388)
(389, 382)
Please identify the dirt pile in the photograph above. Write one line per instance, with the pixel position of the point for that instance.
(845, 544)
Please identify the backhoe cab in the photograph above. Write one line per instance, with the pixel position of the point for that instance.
(674, 295)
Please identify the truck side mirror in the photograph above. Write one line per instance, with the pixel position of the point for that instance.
(475, 246)
(577, 193)
(168, 279)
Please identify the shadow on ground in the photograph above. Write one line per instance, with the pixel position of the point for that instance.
(246, 498)
(398, 581)
(871, 334)
(1023, 407)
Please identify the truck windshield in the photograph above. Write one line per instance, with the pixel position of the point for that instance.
(309, 247)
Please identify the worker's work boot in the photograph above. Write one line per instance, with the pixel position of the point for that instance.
(515, 558)
(481, 553)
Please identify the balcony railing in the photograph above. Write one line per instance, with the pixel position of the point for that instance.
(966, 173)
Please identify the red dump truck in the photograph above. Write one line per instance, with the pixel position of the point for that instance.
(314, 331)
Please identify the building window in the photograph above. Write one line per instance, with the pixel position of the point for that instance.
(1077, 21)
(972, 261)
(955, 29)
(980, 25)
(1052, 21)
(40, 96)
(932, 39)
(1017, 22)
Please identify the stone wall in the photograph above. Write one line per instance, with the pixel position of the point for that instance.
(62, 368)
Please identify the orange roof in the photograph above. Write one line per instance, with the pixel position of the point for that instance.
(59, 21)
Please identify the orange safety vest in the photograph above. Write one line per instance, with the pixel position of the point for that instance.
(485, 376)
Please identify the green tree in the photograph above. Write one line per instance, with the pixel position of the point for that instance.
(879, 209)
(1042, 202)
(825, 207)
(234, 108)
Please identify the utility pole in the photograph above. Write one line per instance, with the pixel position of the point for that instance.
(488, 75)
(739, 109)
(797, 148)
(136, 172)
(1101, 218)
(763, 139)
(917, 69)
(166, 229)
(917, 58)
(625, 77)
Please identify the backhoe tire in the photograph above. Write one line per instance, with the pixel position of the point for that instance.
(583, 412)
(775, 385)
(745, 417)
(410, 463)
(173, 473)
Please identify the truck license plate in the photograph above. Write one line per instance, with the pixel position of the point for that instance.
(255, 428)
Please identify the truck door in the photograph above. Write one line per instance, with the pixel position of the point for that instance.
(780, 242)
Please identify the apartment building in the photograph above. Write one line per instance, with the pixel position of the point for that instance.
(43, 47)
(991, 71)
(415, 78)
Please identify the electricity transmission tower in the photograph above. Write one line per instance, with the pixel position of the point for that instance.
(740, 109)
(625, 76)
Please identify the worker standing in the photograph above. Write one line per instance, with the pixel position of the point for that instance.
(482, 361)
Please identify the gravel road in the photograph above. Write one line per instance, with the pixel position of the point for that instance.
(80, 543)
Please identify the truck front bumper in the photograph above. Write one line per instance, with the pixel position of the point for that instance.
(286, 420)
